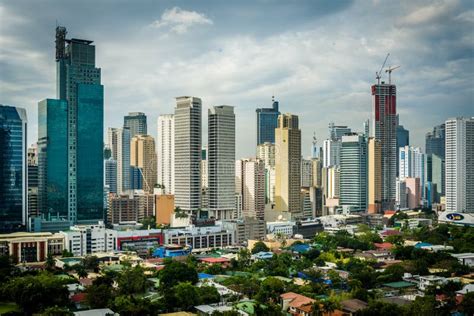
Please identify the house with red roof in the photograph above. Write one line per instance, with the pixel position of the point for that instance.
(297, 304)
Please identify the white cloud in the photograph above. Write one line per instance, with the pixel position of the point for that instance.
(179, 20)
(429, 13)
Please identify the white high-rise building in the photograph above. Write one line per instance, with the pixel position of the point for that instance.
(412, 164)
(204, 171)
(460, 165)
(331, 153)
(118, 140)
(165, 145)
(221, 161)
(266, 153)
(250, 183)
(187, 153)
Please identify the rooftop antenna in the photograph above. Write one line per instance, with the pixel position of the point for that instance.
(389, 70)
(378, 74)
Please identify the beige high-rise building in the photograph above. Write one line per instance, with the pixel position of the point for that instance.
(143, 156)
(375, 176)
(288, 164)
(250, 185)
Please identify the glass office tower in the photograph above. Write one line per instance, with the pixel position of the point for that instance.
(13, 168)
(78, 114)
(136, 122)
(267, 121)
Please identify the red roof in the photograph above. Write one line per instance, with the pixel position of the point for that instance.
(390, 232)
(214, 260)
(296, 300)
(78, 298)
(383, 245)
(85, 281)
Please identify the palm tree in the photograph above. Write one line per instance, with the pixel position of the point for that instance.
(81, 271)
(329, 306)
(316, 309)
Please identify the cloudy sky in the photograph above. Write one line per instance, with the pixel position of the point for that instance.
(318, 58)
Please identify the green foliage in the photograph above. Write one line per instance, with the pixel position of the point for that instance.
(344, 239)
(245, 285)
(179, 213)
(376, 308)
(57, 311)
(36, 293)
(176, 272)
(67, 254)
(49, 263)
(7, 268)
(259, 247)
(91, 263)
(149, 221)
(312, 254)
(467, 304)
(270, 290)
(99, 295)
(133, 281)
(127, 305)
(208, 295)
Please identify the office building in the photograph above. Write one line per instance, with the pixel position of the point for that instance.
(436, 176)
(70, 137)
(331, 152)
(110, 169)
(136, 178)
(136, 123)
(403, 139)
(435, 141)
(187, 153)
(374, 176)
(30, 247)
(385, 129)
(288, 164)
(306, 173)
(143, 156)
(250, 184)
(164, 208)
(122, 208)
(266, 153)
(413, 165)
(459, 162)
(413, 192)
(267, 121)
(246, 228)
(165, 145)
(353, 173)
(84, 240)
(401, 194)
(337, 131)
(32, 161)
(119, 143)
(221, 162)
(13, 168)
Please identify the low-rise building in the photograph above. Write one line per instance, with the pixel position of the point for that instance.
(430, 280)
(31, 247)
(200, 238)
(465, 258)
(296, 304)
(246, 228)
(284, 228)
(82, 240)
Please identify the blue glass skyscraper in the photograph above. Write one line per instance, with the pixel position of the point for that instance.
(13, 168)
(78, 113)
(267, 121)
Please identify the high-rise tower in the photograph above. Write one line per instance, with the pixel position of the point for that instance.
(385, 129)
(136, 122)
(221, 161)
(288, 164)
(143, 156)
(187, 153)
(165, 144)
(267, 121)
(78, 115)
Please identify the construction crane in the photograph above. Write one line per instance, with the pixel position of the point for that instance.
(378, 74)
(389, 70)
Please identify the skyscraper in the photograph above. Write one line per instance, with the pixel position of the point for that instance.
(33, 182)
(110, 168)
(353, 173)
(78, 83)
(221, 161)
(13, 168)
(165, 144)
(413, 165)
(331, 152)
(250, 184)
(403, 139)
(385, 129)
(136, 122)
(435, 141)
(288, 164)
(266, 153)
(118, 140)
(337, 131)
(187, 153)
(460, 165)
(267, 121)
(53, 158)
(143, 156)
(374, 175)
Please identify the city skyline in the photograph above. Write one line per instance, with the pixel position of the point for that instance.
(304, 83)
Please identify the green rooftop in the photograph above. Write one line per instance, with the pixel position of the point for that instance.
(399, 285)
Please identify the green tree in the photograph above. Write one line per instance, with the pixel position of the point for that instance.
(208, 295)
(49, 263)
(128, 305)
(81, 271)
(259, 247)
(376, 308)
(36, 293)
(467, 304)
(329, 306)
(186, 296)
(270, 290)
(244, 257)
(176, 272)
(7, 268)
(91, 263)
(148, 222)
(67, 254)
(57, 311)
(99, 295)
(133, 281)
